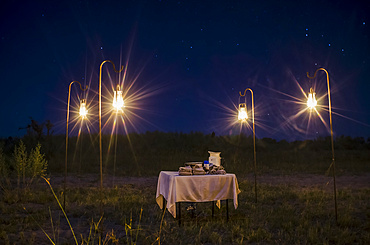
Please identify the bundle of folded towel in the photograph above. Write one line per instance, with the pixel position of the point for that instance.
(185, 170)
(217, 170)
(199, 171)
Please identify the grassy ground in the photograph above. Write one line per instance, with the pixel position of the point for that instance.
(295, 192)
(295, 209)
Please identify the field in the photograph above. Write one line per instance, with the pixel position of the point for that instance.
(295, 199)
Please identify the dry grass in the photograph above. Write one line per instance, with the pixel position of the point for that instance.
(288, 212)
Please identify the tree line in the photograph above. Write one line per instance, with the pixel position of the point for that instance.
(149, 152)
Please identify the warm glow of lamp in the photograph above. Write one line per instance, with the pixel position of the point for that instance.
(311, 100)
(83, 110)
(118, 103)
(242, 115)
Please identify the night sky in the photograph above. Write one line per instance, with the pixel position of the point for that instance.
(186, 63)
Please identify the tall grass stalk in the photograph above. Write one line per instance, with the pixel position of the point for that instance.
(60, 205)
(91, 236)
(46, 234)
(55, 236)
(129, 229)
(138, 227)
(160, 227)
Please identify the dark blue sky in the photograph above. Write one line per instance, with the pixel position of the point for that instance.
(187, 61)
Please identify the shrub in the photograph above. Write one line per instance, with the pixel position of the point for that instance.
(20, 162)
(37, 165)
(29, 167)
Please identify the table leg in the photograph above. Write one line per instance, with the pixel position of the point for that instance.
(227, 210)
(164, 206)
(213, 208)
(179, 212)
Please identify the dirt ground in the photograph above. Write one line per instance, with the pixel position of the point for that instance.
(299, 180)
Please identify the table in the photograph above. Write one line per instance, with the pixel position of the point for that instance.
(195, 188)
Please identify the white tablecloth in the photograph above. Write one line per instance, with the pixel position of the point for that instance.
(195, 188)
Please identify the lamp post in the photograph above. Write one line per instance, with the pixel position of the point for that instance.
(83, 113)
(311, 103)
(242, 117)
(100, 136)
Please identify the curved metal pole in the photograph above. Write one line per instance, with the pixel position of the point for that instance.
(254, 142)
(100, 141)
(115, 156)
(65, 166)
(332, 138)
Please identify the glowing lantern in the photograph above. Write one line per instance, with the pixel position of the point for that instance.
(118, 99)
(83, 110)
(242, 115)
(311, 100)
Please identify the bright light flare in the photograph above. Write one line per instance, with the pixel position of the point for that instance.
(311, 100)
(294, 118)
(118, 102)
(242, 115)
(83, 110)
